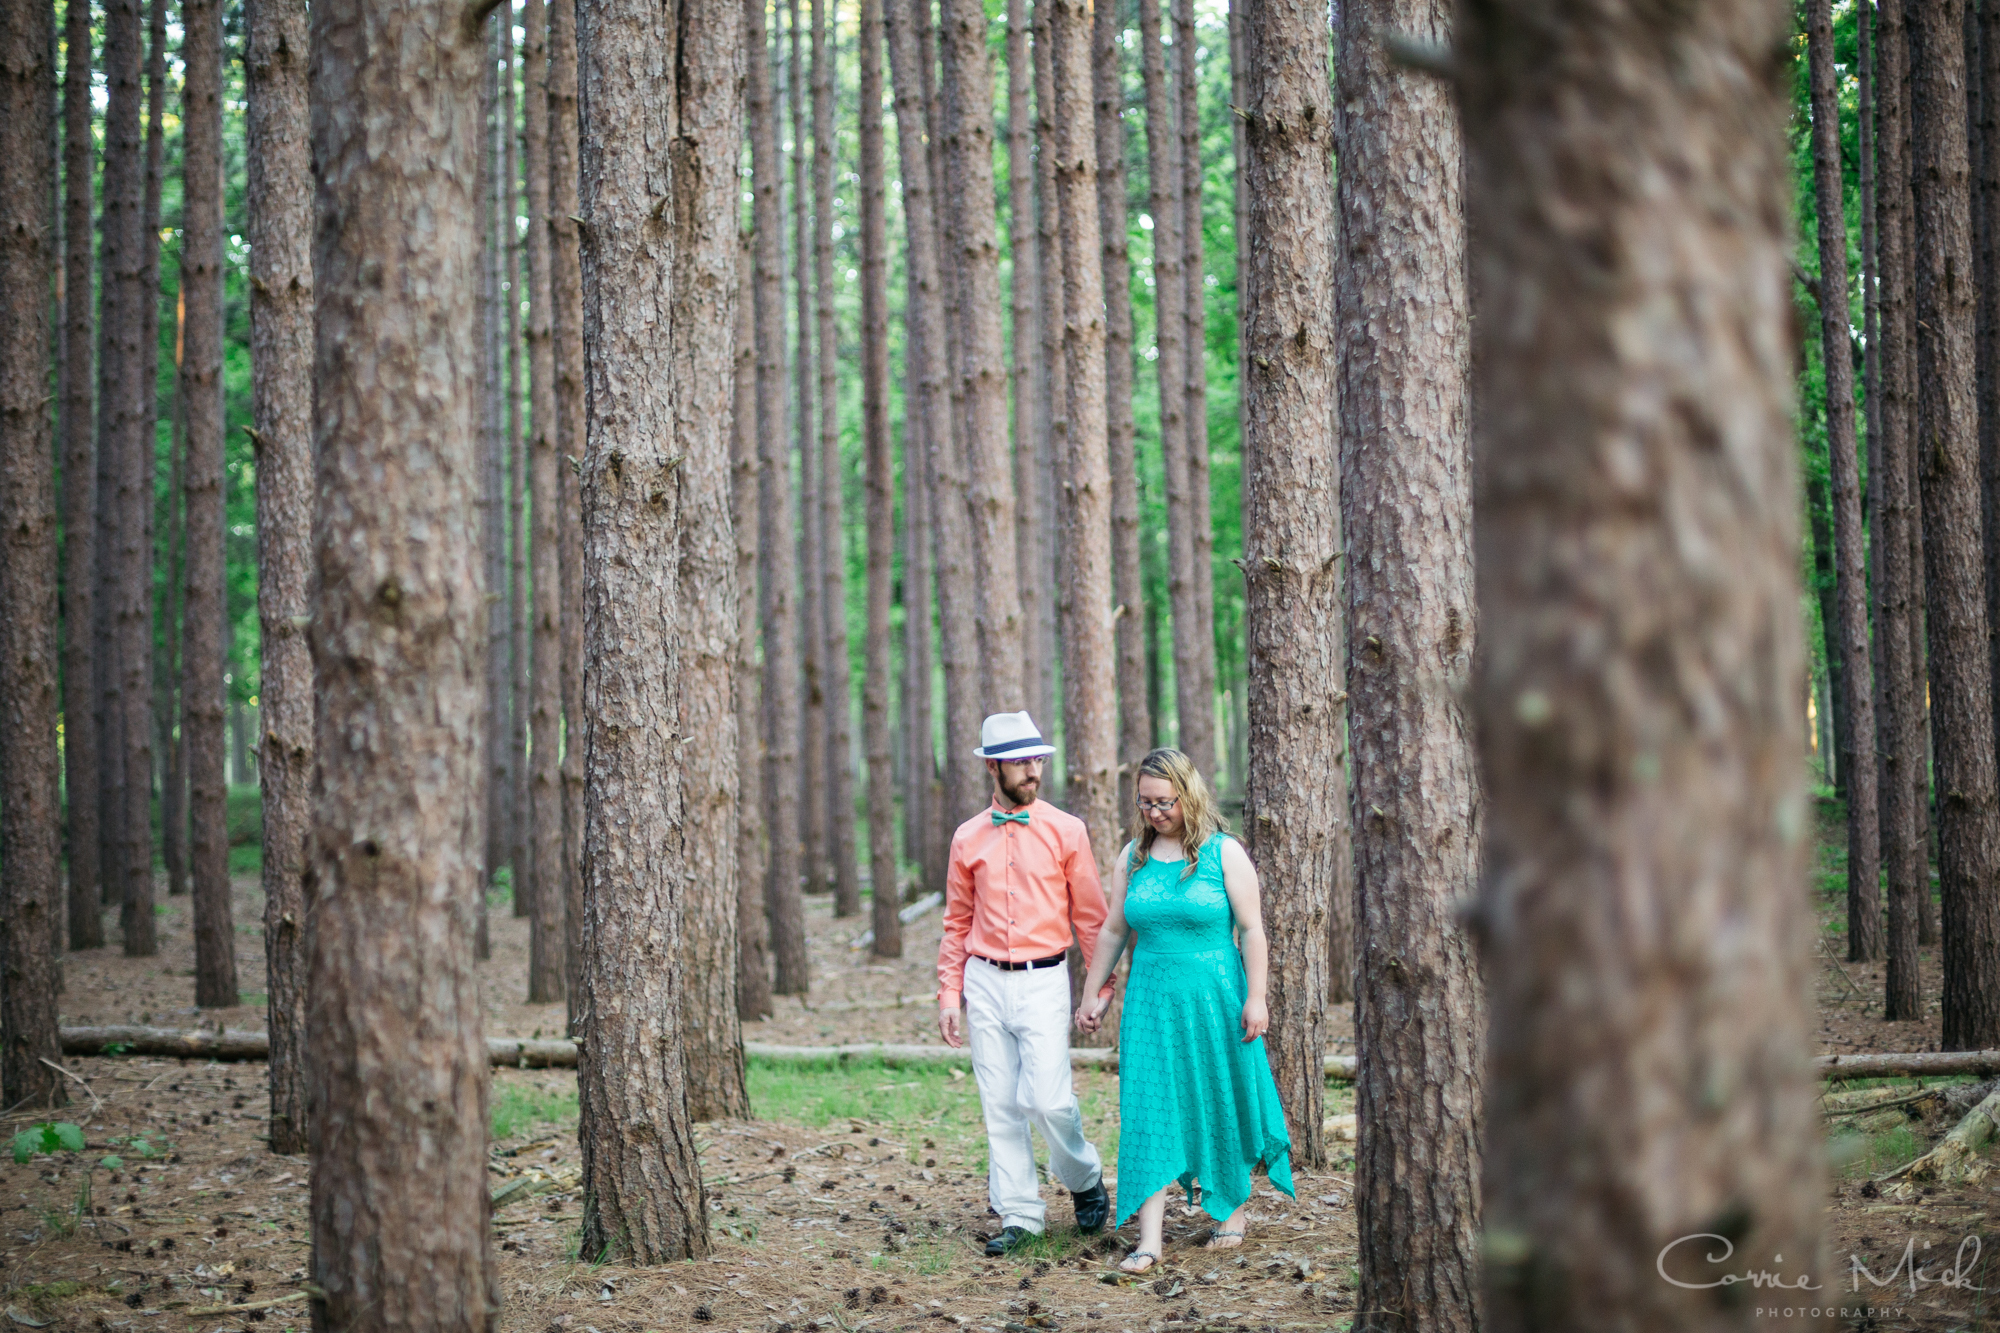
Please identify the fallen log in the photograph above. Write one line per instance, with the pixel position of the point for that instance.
(1908, 1065)
(522, 1053)
(916, 909)
(1954, 1156)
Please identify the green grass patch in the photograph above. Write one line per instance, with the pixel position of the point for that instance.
(523, 1106)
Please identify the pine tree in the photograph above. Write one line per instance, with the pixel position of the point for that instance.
(399, 1202)
(753, 931)
(1960, 677)
(1636, 853)
(281, 334)
(1197, 714)
(30, 819)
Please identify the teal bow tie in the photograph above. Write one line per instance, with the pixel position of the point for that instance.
(1016, 817)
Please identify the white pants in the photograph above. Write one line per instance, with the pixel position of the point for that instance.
(1017, 1024)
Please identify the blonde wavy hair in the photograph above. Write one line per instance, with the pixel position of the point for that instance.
(1200, 818)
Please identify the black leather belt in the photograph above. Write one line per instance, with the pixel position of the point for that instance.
(1027, 966)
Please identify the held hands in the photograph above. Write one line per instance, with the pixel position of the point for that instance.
(948, 1026)
(1256, 1019)
(1090, 1014)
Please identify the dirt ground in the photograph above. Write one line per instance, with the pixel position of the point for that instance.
(846, 1223)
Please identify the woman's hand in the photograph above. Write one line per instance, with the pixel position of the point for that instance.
(1090, 1014)
(1256, 1019)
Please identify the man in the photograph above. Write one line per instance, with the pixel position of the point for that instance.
(1021, 879)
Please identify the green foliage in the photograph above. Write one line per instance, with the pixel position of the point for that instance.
(50, 1136)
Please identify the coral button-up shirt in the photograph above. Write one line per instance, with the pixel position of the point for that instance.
(1014, 891)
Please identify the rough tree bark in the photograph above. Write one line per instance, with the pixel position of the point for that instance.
(172, 554)
(812, 572)
(1197, 723)
(1135, 720)
(1960, 679)
(120, 289)
(204, 623)
(921, 799)
(969, 224)
(566, 310)
(30, 769)
(1031, 525)
(944, 489)
(1170, 328)
(641, 1173)
(882, 877)
(498, 777)
(1406, 513)
(1052, 439)
(1986, 205)
(281, 359)
(1900, 735)
(753, 930)
(777, 575)
(399, 1129)
(1090, 687)
(1295, 796)
(1637, 552)
(81, 711)
(1857, 762)
(835, 786)
(548, 951)
(520, 657)
(707, 144)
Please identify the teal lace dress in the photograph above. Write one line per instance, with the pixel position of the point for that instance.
(1196, 1103)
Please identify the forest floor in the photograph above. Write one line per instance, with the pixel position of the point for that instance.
(856, 1199)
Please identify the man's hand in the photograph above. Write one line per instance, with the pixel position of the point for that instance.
(1090, 1014)
(948, 1026)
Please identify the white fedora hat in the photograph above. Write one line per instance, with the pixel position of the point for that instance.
(1011, 736)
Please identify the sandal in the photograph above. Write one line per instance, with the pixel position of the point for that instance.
(1150, 1259)
(1219, 1239)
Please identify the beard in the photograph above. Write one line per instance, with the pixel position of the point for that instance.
(1022, 792)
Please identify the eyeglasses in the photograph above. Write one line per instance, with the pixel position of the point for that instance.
(1147, 807)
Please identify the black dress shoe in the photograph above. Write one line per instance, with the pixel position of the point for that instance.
(1092, 1207)
(1009, 1240)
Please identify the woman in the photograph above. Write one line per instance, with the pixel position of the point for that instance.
(1196, 1102)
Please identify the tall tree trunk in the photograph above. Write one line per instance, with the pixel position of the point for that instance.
(1642, 788)
(1819, 526)
(946, 511)
(1135, 723)
(1295, 796)
(1197, 713)
(566, 311)
(836, 784)
(498, 776)
(1857, 760)
(521, 653)
(753, 930)
(281, 335)
(1170, 328)
(971, 230)
(921, 799)
(1052, 439)
(1090, 686)
(641, 1172)
(398, 1133)
(1901, 730)
(81, 704)
(1986, 202)
(882, 877)
(1031, 525)
(812, 572)
(134, 604)
(167, 668)
(204, 623)
(30, 769)
(1960, 678)
(548, 952)
(707, 147)
(1406, 514)
(120, 288)
(777, 575)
